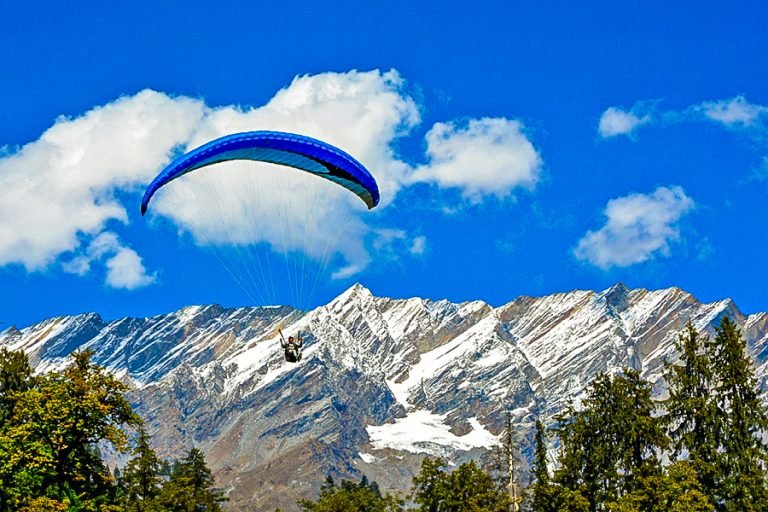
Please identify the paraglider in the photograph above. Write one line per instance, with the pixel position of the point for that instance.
(313, 157)
(289, 149)
(291, 347)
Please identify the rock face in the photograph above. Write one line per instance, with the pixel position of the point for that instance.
(382, 382)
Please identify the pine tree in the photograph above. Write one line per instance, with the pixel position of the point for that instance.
(677, 489)
(429, 486)
(558, 498)
(692, 415)
(467, 488)
(612, 442)
(716, 417)
(349, 496)
(15, 378)
(540, 472)
(191, 486)
(140, 480)
(741, 461)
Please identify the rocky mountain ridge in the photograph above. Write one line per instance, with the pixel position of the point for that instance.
(382, 382)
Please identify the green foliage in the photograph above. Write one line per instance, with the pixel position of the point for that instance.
(48, 445)
(692, 414)
(191, 486)
(716, 417)
(349, 496)
(467, 488)
(43, 504)
(56, 427)
(540, 470)
(558, 498)
(15, 378)
(612, 441)
(741, 459)
(50, 430)
(675, 490)
(715, 420)
(140, 479)
(541, 488)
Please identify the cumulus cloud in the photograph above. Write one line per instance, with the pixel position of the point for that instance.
(733, 112)
(58, 193)
(616, 121)
(125, 268)
(488, 156)
(638, 227)
(362, 112)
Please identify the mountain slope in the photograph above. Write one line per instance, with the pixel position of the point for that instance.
(383, 381)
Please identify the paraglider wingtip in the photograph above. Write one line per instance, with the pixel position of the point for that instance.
(143, 209)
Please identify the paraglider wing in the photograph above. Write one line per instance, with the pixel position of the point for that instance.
(292, 150)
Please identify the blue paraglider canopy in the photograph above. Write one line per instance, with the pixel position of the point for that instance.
(292, 150)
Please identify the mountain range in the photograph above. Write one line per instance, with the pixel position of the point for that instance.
(383, 382)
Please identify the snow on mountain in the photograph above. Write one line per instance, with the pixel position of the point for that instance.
(382, 382)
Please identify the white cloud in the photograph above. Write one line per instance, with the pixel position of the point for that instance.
(638, 227)
(124, 266)
(418, 245)
(126, 270)
(58, 193)
(393, 243)
(733, 112)
(616, 121)
(488, 156)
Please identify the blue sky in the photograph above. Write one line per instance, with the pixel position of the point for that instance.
(523, 148)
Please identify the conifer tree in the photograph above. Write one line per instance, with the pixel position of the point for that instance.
(677, 489)
(348, 496)
(692, 413)
(540, 472)
(15, 378)
(612, 442)
(741, 461)
(540, 469)
(503, 463)
(191, 486)
(140, 480)
(558, 498)
(468, 487)
(716, 417)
